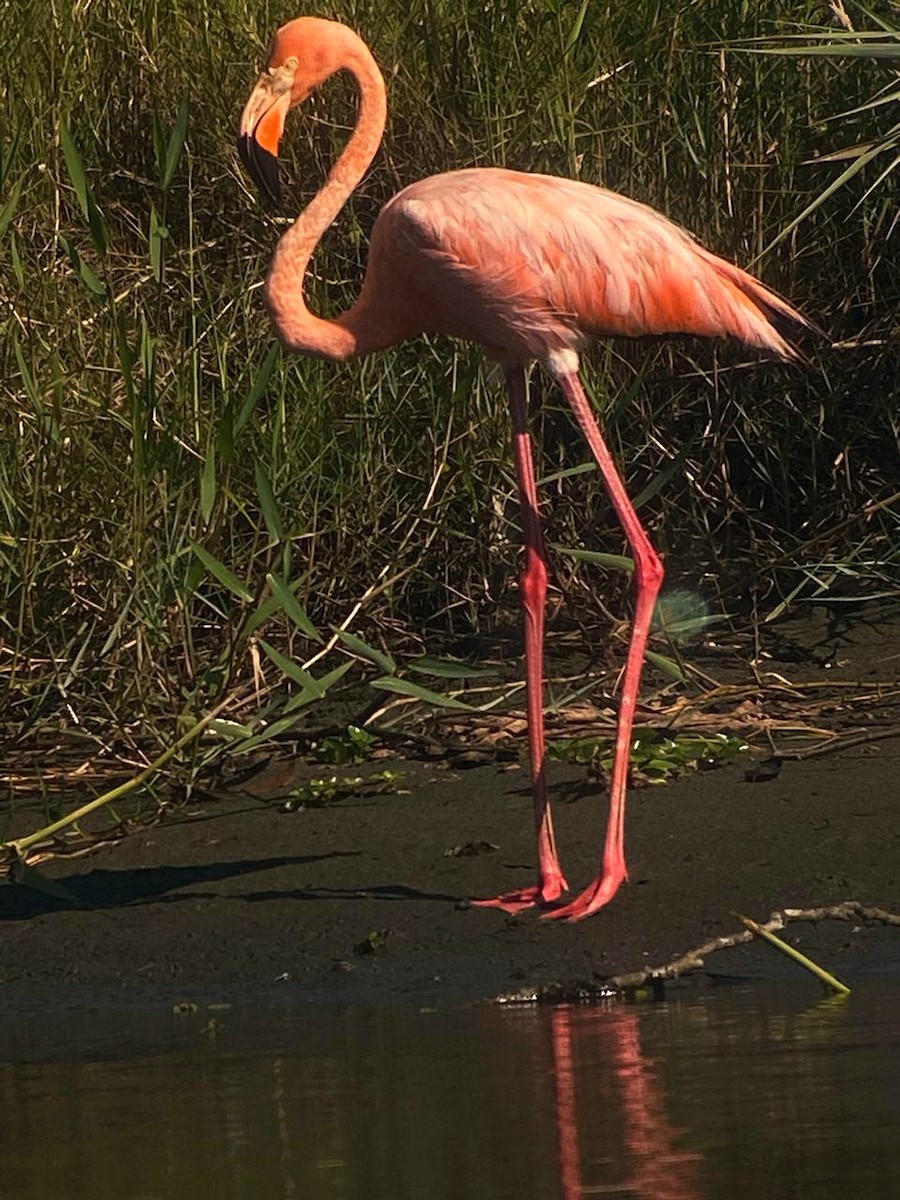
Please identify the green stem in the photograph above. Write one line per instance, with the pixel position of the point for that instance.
(19, 845)
(828, 980)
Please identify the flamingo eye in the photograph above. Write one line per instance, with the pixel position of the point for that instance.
(282, 75)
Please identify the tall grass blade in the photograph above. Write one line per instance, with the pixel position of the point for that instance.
(862, 160)
(208, 484)
(157, 238)
(267, 503)
(404, 687)
(8, 211)
(883, 50)
(257, 389)
(176, 143)
(614, 562)
(282, 725)
(447, 668)
(31, 389)
(18, 846)
(322, 685)
(384, 662)
(577, 25)
(667, 666)
(82, 270)
(224, 574)
(89, 209)
(286, 596)
(662, 477)
(293, 671)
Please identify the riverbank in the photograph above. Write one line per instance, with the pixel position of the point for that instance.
(363, 901)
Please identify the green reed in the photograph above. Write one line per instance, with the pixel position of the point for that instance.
(173, 488)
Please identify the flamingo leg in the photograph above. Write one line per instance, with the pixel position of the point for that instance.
(648, 573)
(533, 586)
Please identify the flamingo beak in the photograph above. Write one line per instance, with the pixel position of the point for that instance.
(262, 124)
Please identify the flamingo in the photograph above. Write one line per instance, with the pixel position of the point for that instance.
(531, 267)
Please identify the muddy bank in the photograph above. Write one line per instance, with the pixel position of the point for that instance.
(358, 902)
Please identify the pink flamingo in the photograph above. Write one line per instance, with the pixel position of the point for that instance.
(531, 267)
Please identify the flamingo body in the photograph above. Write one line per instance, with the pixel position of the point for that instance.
(530, 267)
(528, 264)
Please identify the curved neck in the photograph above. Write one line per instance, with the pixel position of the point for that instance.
(297, 327)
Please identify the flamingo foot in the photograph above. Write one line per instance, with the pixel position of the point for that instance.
(594, 897)
(548, 891)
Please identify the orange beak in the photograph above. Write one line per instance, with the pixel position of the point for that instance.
(262, 124)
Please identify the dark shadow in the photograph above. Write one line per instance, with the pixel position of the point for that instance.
(564, 791)
(387, 891)
(115, 889)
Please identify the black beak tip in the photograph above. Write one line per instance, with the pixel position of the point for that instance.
(262, 167)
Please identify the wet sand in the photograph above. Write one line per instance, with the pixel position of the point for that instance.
(358, 902)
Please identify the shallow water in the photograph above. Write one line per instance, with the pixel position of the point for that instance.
(727, 1092)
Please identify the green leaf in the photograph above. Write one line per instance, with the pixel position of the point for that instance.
(89, 209)
(333, 676)
(8, 211)
(259, 385)
(284, 593)
(661, 478)
(208, 485)
(159, 144)
(448, 668)
(282, 725)
(176, 143)
(267, 503)
(16, 261)
(668, 666)
(661, 765)
(31, 388)
(226, 577)
(384, 662)
(691, 625)
(575, 31)
(404, 687)
(230, 729)
(855, 167)
(292, 670)
(567, 473)
(615, 562)
(157, 237)
(321, 687)
(74, 166)
(84, 272)
(834, 50)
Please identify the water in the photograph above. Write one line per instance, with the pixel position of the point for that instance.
(730, 1092)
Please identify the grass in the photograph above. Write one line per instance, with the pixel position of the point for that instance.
(169, 480)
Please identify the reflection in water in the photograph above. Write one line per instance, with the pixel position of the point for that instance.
(723, 1094)
(654, 1169)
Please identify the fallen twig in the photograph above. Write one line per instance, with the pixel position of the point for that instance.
(694, 960)
(824, 976)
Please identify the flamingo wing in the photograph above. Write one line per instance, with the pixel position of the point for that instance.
(527, 264)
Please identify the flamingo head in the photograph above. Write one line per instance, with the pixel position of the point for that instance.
(304, 53)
